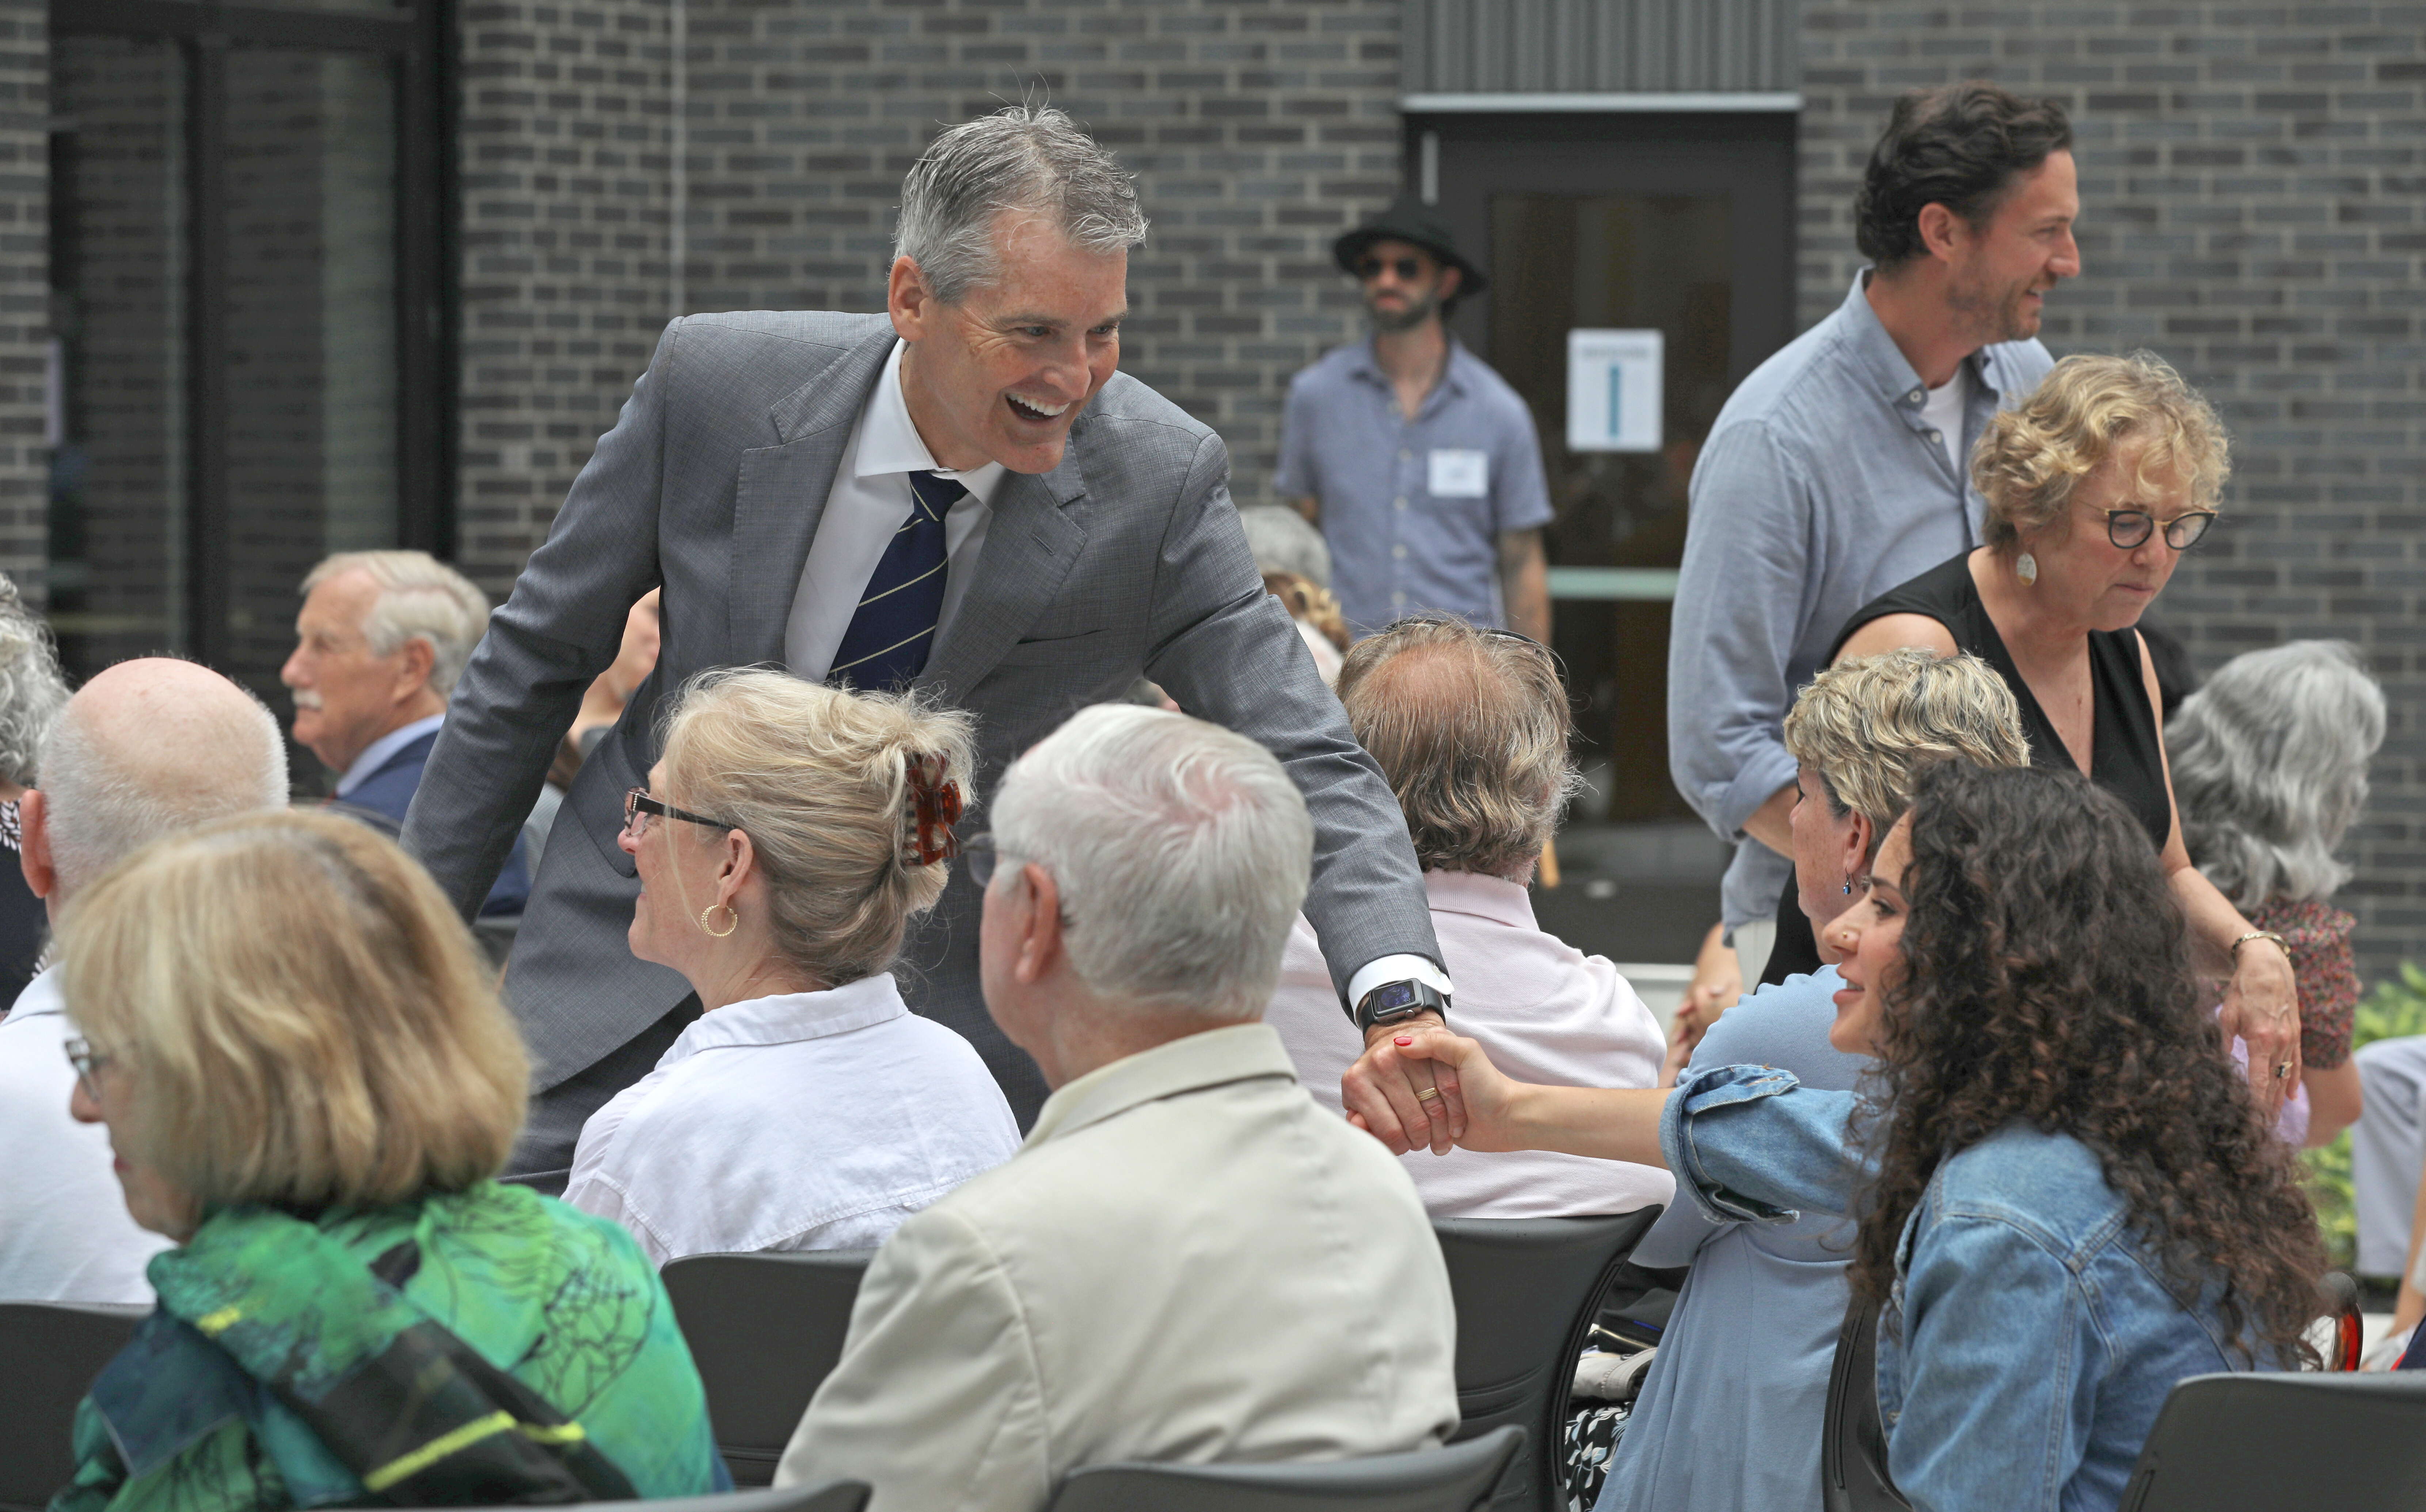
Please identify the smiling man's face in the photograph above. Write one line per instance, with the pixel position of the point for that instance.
(1000, 376)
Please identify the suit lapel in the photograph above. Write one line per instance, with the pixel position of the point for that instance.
(780, 495)
(1029, 547)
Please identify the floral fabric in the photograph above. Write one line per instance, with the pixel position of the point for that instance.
(2318, 936)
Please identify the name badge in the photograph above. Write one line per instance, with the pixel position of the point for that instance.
(1460, 475)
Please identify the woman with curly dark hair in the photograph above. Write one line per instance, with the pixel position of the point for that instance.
(2072, 1202)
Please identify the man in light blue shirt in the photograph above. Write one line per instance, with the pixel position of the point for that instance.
(1419, 462)
(1835, 471)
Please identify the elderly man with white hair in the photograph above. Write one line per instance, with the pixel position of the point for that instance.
(381, 641)
(1189, 1261)
(144, 750)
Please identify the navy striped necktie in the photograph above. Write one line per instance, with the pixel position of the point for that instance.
(893, 631)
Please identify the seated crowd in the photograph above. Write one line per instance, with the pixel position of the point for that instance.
(268, 1083)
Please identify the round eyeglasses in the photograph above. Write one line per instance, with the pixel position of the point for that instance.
(2129, 529)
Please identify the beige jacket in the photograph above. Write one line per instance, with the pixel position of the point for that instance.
(1187, 1261)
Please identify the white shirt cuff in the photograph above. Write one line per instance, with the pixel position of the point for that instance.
(1397, 969)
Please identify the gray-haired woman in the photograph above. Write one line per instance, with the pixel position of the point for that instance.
(31, 695)
(2270, 768)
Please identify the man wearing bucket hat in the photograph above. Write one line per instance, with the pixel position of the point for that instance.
(1417, 461)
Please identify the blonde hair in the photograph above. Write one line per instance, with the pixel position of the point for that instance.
(420, 597)
(307, 1019)
(2030, 459)
(1310, 603)
(819, 779)
(1470, 727)
(1871, 725)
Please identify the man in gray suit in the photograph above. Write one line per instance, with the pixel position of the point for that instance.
(960, 497)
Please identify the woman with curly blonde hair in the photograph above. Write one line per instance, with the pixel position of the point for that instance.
(2096, 485)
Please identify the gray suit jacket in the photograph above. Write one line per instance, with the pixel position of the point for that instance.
(1126, 559)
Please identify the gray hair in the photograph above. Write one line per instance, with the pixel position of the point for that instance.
(1181, 851)
(1030, 158)
(31, 689)
(420, 597)
(1471, 727)
(2270, 768)
(108, 793)
(1282, 542)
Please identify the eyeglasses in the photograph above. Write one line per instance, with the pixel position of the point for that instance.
(81, 1056)
(1408, 268)
(637, 802)
(978, 854)
(2130, 529)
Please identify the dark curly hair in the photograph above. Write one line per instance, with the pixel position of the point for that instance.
(2047, 979)
(1961, 146)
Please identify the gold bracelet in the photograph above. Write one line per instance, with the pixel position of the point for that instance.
(2280, 943)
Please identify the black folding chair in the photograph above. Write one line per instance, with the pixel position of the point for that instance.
(48, 1358)
(1854, 1451)
(765, 1331)
(2286, 1442)
(1455, 1478)
(1527, 1292)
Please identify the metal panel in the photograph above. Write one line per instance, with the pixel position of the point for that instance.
(1602, 46)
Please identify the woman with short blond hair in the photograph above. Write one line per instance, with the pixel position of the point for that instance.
(310, 1084)
(785, 842)
(2096, 485)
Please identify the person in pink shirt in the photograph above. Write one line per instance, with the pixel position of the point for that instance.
(1471, 728)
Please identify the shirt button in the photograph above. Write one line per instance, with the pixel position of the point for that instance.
(1402, 501)
(1937, 436)
(1405, 456)
(1914, 397)
(1397, 598)
(1400, 551)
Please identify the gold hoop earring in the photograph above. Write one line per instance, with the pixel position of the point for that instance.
(733, 918)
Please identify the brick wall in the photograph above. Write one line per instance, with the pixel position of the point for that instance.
(2251, 211)
(24, 289)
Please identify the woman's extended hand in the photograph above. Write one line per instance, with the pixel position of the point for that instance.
(2261, 1006)
(1471, 1110)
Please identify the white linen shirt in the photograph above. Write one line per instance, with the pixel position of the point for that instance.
(869, 503)
(808, 1120)
(64, 1233)
(1543, 1011)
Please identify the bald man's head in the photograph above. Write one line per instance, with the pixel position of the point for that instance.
(144, 750)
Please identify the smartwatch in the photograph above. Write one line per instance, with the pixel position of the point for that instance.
(1394, 1001)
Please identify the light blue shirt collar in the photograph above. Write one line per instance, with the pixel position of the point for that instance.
(376, 754)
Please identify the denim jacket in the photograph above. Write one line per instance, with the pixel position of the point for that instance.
(2029, 1338)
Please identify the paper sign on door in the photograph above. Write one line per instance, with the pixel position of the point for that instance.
(1613, 389)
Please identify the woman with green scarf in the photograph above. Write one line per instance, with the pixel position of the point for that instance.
(309, 1084)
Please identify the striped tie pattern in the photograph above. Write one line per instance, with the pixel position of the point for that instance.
(893, 631)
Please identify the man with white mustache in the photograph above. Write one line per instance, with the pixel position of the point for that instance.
(960, 497)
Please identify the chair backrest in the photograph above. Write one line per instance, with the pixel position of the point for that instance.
(765, 1331)
(2288, 1442)
(1526, 1292)
(1455, 1478)
(1854, 1451)
(48, 1358)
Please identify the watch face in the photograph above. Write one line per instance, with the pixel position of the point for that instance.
(1390, 997)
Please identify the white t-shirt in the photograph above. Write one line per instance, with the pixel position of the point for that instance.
(64, 1233)
(1943, 411)
(1542, 1009)
(809, 1120)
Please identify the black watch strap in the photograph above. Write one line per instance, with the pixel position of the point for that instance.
(1393, 1001)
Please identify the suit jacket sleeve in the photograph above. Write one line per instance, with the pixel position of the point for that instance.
(936, 1402)
(1227, 651)
(559, 630)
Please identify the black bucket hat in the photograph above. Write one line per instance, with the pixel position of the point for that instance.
(1409, 219)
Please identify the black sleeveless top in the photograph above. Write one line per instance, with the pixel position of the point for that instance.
(2125, 755)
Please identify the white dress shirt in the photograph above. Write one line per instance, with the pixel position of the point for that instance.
(809, 1120)
(1545, 1011)
(376, 754)
(869, 503)
(64, 1233)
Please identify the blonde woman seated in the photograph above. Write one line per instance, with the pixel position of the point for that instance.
(785, 842)
(309, 1085)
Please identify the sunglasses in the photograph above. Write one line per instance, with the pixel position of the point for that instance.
(2127, 528)
(637, 805)
(1408, 268)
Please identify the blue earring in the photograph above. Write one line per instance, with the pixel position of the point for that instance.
(1849, 890)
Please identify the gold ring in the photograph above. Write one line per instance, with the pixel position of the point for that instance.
(1428, 1093)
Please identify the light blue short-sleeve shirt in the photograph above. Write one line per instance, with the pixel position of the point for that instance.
(1412, 509)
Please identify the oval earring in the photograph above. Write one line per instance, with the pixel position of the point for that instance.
(733, 920)
(2027, 569)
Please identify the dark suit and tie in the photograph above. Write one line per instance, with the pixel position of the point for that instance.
(1019, 596)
